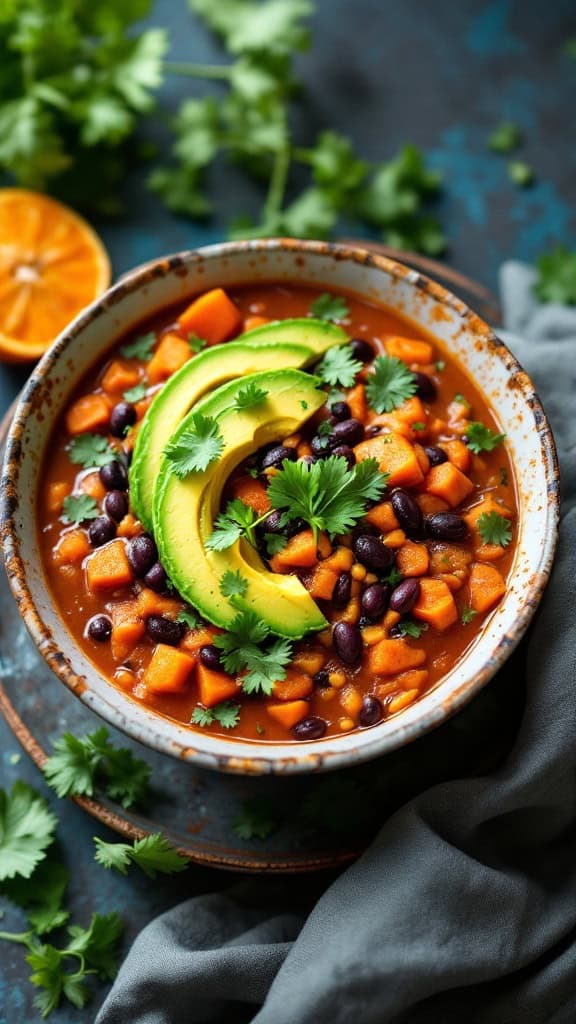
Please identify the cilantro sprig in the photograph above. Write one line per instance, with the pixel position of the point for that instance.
(339, 368)
(153, 855)
(329, 307)
(135, 394)
(27, 828)
(482, 439)
(233, 584)
(389, 384)
(494, 529)
(411, 629)
(79, 764)
(78, 508)
(237, 520)
(227, 714)
(257, 819)
(91, 451)
(556, 281)
(140, 348)
(197, 447)
(250, 396)
(248, 652)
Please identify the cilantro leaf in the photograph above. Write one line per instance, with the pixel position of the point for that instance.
(77, 508)
(140, 348)
(249, 396)
(505, 138)
(556, 280)
(227, 714)
(91, 451)
(258, 819)
(233, 584)
(389, 384)
(329, 307)
(411, 629)
(196, 447)
(189, 617)
(393, 578)
(77, 764)
(27, 828)
(520, 173)
(494, 529)
(153, 854)
(135, 394)
(236, 521)
(328, 495)
(196, 343)
(41, 895)
(482, 439)
(275, 542)
(202, 716)
(338, 367)
(242, 652)
(467, 615)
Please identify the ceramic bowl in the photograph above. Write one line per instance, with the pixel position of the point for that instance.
(377, 279)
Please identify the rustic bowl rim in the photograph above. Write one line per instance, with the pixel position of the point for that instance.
(286, 758)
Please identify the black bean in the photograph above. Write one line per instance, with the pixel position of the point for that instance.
(156, 578)
(349, 432)
(274, 457)
(122, 417)
(446, 526)
(347, 640)
(322, 446)
(362, 350)
(371, 711)
(309, 728)
(407, 512)
(395, 631)
(436, 456)
(99, 628)
(342, 590)
(210, 657)
(101, 530)
(344, 452)
(340, 410)
(372, 553)
(373, 430)
(128, 452)
(114, 476)
(164, 631)
(425, 387)
(405, 595)
(273, 523)
(321, 679)
(116, 505)
(142, 554)
(374, 600)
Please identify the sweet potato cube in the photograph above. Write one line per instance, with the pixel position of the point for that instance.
(487, 505)
(395, 455)
(92, 485)
(72, 548)
(295, 686)
(486, 585)
(301, 552)
(213, 316)
(459, 454)
(382, 517)
(168, 670)
(290, 713)
(108, 568)
(172, 352)
(449, 483)
(120, 375)
(413, 559)
(125, 636)
(356, 400)
(251, 492)
(196, 639)
(341, 561)
(321, 586)
(435, 605)
(409, 350)
(55, 494)
(414, 679)
(251, 323)
(214, 687)
(91, 412)
(388, 657)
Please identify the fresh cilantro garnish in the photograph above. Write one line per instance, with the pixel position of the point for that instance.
(196, 343)
(503, 476)
(459, 398)
(78, 764)
(236, 521)
(482, 439)
(27, 828)
(233, 584)
(242, 652)
(135, 394)
(275, 542)
(324, 429)
(329, 307)
(556, 280)
(189, 618)
(327, 495)
(77, 508)
(140, 348)
(91, 451)
(153, 854)
(227, 714)
(411, 629)
(249, 396)
(467, 615)
(389, 384)
(197, 447)
(393, 578)
(304, 404)
(339, 367)
(494, 529)
(41, 895)
(258, 819)
(520, 173)
(418, 426)
(440, 365)
(505, 138)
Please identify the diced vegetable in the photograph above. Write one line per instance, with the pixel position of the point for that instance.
(87, 414)
(322, 584)
(72, 548)
(383, 517)
(295, 686)
(172, 352)
(301, 552)
(447, 482)
(251, 492)
(413, 559)
(435, 605)
(391, 656)
(120, 376)
(213, 316)
(108, 568)
(168, 671)
(56, 493)
(290, 713)
(409, 350)
(395, 455)
(214, 687)
(486, 585)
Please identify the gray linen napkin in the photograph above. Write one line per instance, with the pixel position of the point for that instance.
(463, 909)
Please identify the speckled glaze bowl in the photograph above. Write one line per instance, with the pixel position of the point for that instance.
(147, 290)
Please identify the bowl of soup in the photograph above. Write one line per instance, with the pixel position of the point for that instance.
(278, 506)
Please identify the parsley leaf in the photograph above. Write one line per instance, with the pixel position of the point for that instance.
(494, 529)
(275, 542)
(482, 439)
(91, 450)
(389, 384)
(153, 854)
(328, 495)
(249, 396)
(41, 895)
(258, 819)
(233, 584)
(556, 280)
(505, 138)
(227, 714)
(411, 629)
(140, 348)
(197, 447)
(27, 828)
(520, 173)
(196, 343)
(77, 508)
(329, 307)
(339, 367)
(135, 394)
(189, 617)
(202, 716)
(242, 653)
(236, 521)
(467, 615)
(77, 764)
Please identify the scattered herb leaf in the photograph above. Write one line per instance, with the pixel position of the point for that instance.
(389, 384)
(91, 451)
(482, 439)
(505, 138)
(258, 819)
(135, 394)
(249, 396)
(233, 584)
(197, 447)
(393, 578)
(556, 281)
(189, 618)
(153, 854)
(338, 367)
(467, 615)
(236, 521)
(41, 895)
(242, 652)
(227, 714)
(77, 764)
(275, 543)
(418, 426)
(196, 343)
(494, 529)
(27, 827)
(140, 348)
(329, 307)
(411, 629)
(520, 173)
(77, 508)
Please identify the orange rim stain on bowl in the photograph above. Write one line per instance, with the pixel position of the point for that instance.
(52, 265)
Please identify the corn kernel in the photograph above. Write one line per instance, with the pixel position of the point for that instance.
(337, 678)
(327, 694)
(355, 588)
(371, 577)
(271, 471)
(391, 619)
(325, 638)
(402, 701)
(345, 724)
(394, 539)
(358, 572)
(351, 612)
(372, 634)
(351, 700)
(309, 661)
(124, 678)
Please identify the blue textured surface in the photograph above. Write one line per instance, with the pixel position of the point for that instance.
(440, 75)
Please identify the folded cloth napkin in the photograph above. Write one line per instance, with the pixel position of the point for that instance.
(463, 909)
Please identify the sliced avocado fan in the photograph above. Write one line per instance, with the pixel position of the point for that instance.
(185, 509)
(284, 344)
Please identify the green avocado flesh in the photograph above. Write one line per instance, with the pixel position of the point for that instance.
(287, 343)
(185, 510)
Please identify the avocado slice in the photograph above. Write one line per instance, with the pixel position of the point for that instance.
(185, 510)
(302, 341)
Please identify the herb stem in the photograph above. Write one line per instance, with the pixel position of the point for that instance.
(278, 181)
(214, 71)
(22, 938)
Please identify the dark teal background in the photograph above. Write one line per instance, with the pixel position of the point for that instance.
(384, 72)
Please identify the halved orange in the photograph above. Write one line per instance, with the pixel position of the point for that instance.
(52, 264)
